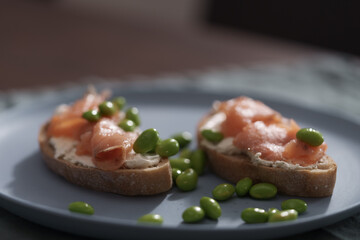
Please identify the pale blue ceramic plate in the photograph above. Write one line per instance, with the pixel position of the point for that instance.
(30, 190)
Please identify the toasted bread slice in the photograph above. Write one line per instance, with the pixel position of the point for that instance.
(317, 182)
(147, 181)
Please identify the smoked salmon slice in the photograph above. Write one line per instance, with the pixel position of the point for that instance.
(242, 111)
(256, 128)
(297, 152)
(69, 122)
(110, 145)
(106, 143)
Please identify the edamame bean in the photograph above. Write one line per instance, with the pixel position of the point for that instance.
(151, 218)
(198, 161)
(180, 163)
(185, 153)
(107, 108)
(81, 207)
(127, 125)
(310, 136)
(223, 191)
(193, 214)
(183, 138)
(263, 191)
(187, 180)
(211, 207)
(254, 215)
(212, 136)
(133, 114)
(285, 215)
(146, 141)
(119, 102)
(167, 147)
(243, 186)
(175, 173)
(91, 115)
(273, 210)
(299, 205)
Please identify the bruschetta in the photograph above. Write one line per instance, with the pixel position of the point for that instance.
(93, 151)
(252, 140)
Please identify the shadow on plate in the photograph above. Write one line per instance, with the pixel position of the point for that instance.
(35, 183)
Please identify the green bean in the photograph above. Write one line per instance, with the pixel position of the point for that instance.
(263, 191)
(187, 180)
(127, 125)
(212, 136)
(81, 207)
(107, 108)
(146, 141)
(243, 186)
(310, 136)
(91, 115)
(175, 173)
(167, 147)
(133, 114)
(211, 207)
(223, 191)
(193, 214)
(299, 205)
(198, 161)
(185, 153)
(286, 215)
(272, 211)
(151, 218)
(254, 215)
(183, 138)
(119, 102)
(180, 163)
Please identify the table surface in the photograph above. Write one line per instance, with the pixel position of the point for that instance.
(62, 46)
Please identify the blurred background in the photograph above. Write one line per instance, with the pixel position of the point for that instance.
(51, 42)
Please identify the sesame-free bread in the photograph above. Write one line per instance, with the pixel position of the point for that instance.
(317, 182)
(131, 182)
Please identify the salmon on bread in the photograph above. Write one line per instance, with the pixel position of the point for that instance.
(260, 143)
(99, 154)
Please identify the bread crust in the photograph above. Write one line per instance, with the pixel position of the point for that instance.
(297, 182)
(130, 182)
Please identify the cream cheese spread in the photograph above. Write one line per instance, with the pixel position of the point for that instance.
(65, 148)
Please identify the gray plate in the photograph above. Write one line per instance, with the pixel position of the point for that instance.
(30, 190)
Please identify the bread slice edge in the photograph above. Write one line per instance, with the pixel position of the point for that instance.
(129, 182)
(318, 182)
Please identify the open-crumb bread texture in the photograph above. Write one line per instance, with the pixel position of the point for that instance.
(318, 182)
(130, 182)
